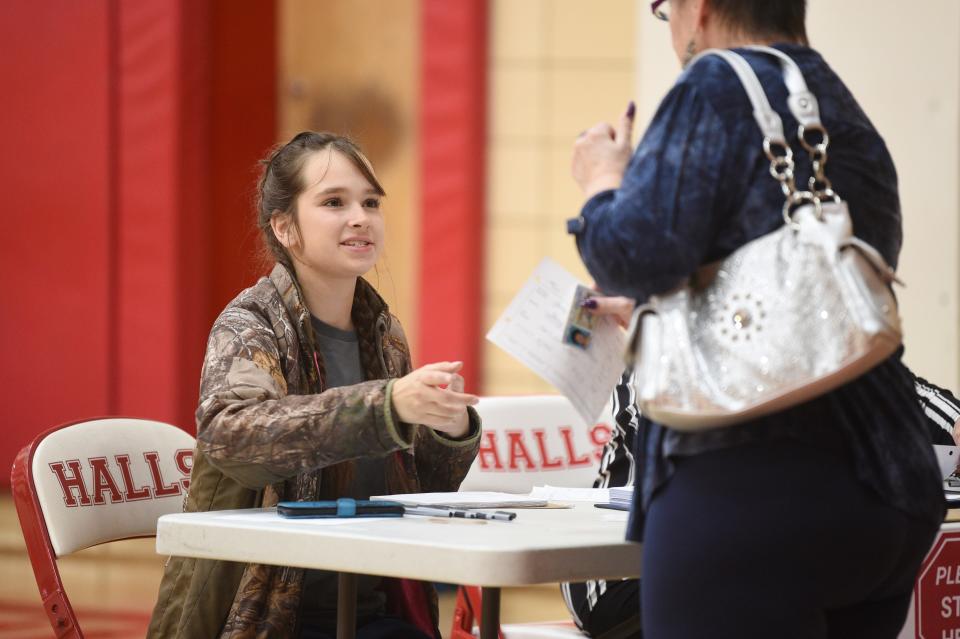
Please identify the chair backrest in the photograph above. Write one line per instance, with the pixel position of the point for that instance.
(535, 440)
(87, 483)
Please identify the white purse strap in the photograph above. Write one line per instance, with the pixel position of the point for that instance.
(801, 102)
(767, 119)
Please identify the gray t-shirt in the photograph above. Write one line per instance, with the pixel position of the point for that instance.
(340, 352)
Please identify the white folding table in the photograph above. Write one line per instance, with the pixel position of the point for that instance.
(542, 545)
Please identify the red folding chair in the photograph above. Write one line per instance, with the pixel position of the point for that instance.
(91, 482)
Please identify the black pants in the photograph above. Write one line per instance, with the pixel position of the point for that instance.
(776, 540)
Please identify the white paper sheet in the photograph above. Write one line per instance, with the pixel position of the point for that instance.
(531, 330)
(467, 499)
(556, 493)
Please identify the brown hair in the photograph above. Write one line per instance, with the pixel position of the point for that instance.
(282, 182)
(768, 19)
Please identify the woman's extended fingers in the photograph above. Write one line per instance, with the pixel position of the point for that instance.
(434, 377)
(601, 155)
(442, 412)
(449, 382)
(620, 308)
(446, 408)
(450, 397)
(433, 395)
(602, 131)
(437, 373)
(462, 399)
(456, 384)
(624, 131)
(447, 367)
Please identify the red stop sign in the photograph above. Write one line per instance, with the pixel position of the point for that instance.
(938, 590)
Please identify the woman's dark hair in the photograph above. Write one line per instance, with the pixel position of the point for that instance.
(771, 19)
(282, 181)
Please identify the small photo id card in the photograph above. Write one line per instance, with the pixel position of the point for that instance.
(534, 328)
(579, 327)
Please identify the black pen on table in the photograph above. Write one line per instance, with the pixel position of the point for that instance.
(429, 511)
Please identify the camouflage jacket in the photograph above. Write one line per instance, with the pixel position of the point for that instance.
(266, 429)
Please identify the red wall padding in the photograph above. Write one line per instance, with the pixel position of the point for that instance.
(130, 134)
(244, 103)
(156, 307)
(55, 136)
(452, 176)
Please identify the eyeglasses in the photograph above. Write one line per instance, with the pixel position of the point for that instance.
(660, 10)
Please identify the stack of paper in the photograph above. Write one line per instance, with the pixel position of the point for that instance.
(621, 495)
(467, 500)
(555, 493)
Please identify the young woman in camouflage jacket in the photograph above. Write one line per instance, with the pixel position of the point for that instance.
(307, 393)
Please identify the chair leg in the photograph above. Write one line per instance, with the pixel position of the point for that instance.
(56, 604)
(470, 602)
(61, 616)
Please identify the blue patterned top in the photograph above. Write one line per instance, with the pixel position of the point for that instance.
(698, 188)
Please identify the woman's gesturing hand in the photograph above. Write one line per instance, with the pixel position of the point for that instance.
(619, 308)
(433, 396)
(601, 155)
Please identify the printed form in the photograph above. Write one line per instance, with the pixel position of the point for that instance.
(532, 329)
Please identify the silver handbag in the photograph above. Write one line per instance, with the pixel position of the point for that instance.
(786, 317)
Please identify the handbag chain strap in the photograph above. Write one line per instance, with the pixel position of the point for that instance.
(804, 107)
(812, 134)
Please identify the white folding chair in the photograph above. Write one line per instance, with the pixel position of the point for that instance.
(87, 483)
(529, 441)
(535, 440)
